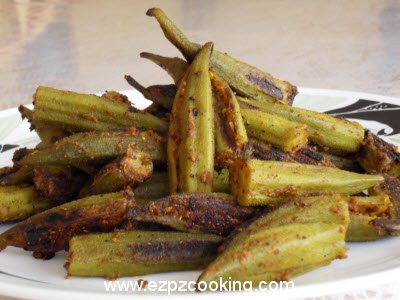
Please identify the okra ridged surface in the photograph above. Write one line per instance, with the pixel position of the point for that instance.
(256, 182)
(135, 253)
(190, 143)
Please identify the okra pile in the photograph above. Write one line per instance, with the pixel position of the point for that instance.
(219, 173)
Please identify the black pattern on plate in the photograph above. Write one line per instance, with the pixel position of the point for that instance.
(386, 113)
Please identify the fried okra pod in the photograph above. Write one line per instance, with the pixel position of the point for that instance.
(278, 253)
(190, 143)
(294, 238)
(17, 175)
(58, 183)
(129, 170)
(176, 67)
(101, 146)
(82, 112)
(51, 230)
(391, 187)
(18, 202)
(230, 132)
(256, 182)
(245, 79)
(378, 156)
(284, 134)
(335, 133)
(157, 185)
(306, 155)
(197, 212)
(136, 253)
(160, 94)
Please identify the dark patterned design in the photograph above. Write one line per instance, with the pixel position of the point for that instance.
(6, 147)
(369, 110)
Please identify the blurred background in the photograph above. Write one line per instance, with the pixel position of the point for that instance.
(88, 46)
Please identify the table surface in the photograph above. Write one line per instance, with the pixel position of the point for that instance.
(88, 46)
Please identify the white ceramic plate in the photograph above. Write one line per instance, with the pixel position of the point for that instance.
(368, 264)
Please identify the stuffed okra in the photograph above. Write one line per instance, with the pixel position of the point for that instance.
(246, 80)
(80, 112)
(256, 182)
(99, 146)
(335, 133)
(136, 253)
(129, 170)
(190, 143)
(50, 231)
(230, 133)
(18, 202)
(197, 212)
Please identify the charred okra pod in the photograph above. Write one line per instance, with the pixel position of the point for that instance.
(88, 147)
(131, 169)
(136, 253)
(257, 182)
(284, 134)
(81, 112)
(18, 202)
(278, 253)
(162, 95)
(197, 212)
(246, 80)
(176, 67)
(379, 156)
(51, 230)
(58, 183)
(190, 143)
(230, 133)
(335, 133)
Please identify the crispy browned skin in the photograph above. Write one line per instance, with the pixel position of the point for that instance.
(51, 230)
(306, 155)
(208, 213)
(376, 155)
(58, 184)
(391, 186)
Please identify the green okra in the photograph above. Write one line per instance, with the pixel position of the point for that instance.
(190, 143)
(51, 230)
(129, 170)
(278, 253)
(160, 94)
(82, 112)
(378, 156)
(362, 229)
(157, 185)
(230, 132)
(47, 133)
(58, 183)
(284, 134)
(90, 147)
(176, 67)
(136, 253)
(245, 79)
(17, 175)
(196, 212)
(118, 98)
(256, 182)
(325, 130)
(18, 202)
